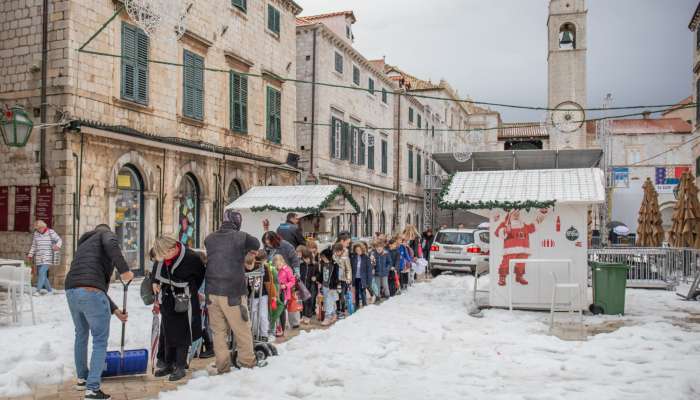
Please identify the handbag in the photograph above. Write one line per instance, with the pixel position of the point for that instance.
(293, 305)
(182, 302)
(302, 291)
(147, 294)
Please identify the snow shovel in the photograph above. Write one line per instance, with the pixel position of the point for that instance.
(125, 362)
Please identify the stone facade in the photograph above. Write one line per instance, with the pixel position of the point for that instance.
(325, 160)
(694, 27)
(160, 149)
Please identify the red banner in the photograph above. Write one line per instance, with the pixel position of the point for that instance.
(23, 208)
(4, 206)
(44, 204)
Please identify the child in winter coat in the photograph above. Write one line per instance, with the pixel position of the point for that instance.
(361, 273)
(286, 279)
(341, 256)
(381, 265)
(406, 258)
(394, 265)
(308, 270)
(328, 276)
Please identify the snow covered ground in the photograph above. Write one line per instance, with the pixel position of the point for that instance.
(420, 345)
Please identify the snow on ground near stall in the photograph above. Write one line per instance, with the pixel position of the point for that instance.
(43, 353)
(422, 345)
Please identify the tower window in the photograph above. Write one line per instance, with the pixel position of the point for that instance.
(567, 36)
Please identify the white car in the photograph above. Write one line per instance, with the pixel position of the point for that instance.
(460, 250)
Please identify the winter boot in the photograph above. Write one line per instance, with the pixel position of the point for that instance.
(177, 374)
(167, 370)
(519, 278)
(501, 280)
(96, 395)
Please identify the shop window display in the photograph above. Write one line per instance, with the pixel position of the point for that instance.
(128, 216)
(188, 218)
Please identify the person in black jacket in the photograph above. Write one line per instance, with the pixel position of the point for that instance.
(361, 273)
(291, 231)
(86, 286)
(330, 284)
(179, 272)
(308, 275)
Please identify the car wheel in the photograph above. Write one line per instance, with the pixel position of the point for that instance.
(435, 272)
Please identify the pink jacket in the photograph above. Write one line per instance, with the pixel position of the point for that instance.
(286, 278)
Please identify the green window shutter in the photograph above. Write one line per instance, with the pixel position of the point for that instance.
(142, 67)
(384, 96)
(419, 172)
(371, 86)
(345, 142)
(410, 114)
(420, 122)
(410, 164)
(274, 117)
(193, 86)
(335, 132)
(370, 152)
(361, 151)
(355, 75)
(273, 19)
(353, 144)
(241, 4)
(268, 114)
(385, 154)
(278, 115)
(239, 102)
(338, 62)
(128, 60)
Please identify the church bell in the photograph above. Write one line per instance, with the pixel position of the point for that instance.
(566, 39)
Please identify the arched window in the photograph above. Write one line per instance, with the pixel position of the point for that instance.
(369, 225)
(234, 191)
(382, 222)
(188, 218)
(128, 221)
(567, 36)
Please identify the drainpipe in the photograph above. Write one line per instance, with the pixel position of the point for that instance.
(44, 177)
(76, 196)
(79, 177)
(313, 104)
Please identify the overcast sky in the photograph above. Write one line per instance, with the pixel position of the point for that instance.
(495, 50)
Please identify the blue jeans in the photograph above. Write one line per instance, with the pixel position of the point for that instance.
(330, 296)
(42, 281)
(91, 313)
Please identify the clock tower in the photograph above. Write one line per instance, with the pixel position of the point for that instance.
(566, 63)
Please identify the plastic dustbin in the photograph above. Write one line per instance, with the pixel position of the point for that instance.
(609, 283)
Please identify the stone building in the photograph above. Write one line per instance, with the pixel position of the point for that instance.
(345, 132)
(159, 149)
(694, 26)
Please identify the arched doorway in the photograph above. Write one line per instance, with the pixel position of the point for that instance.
(188, 218)
(128, 220)
(234, 191)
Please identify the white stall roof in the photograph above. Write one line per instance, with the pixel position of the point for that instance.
(301, 198)
(476, 189)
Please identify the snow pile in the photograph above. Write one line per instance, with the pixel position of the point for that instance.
(42, 354)
(423, 345)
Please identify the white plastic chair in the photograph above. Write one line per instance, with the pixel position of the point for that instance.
(575, 293)
(18, 282)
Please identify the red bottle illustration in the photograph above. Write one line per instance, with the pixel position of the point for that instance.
(558, 224)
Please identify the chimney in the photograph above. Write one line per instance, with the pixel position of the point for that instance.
(646, 114)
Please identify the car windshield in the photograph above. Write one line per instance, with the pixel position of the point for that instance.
(461, 238)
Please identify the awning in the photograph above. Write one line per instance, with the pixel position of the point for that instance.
(520, 160)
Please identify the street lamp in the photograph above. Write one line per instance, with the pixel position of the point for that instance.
(15, 127)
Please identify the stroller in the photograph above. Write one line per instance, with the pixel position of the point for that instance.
(262, 348)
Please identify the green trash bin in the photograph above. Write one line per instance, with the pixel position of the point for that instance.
(609, 283)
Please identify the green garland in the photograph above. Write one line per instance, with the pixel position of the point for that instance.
(313, 210)
(483, 205)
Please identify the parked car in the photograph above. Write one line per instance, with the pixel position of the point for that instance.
(460, 250)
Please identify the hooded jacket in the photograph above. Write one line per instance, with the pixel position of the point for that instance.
(226, 251)
(97, 255)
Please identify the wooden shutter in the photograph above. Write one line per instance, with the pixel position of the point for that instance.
(353, 144)
(273, 19)
(361, 151)
(355, 75)
(239, 102)
(128, 70)
(274, 118)
(278, 115)
(410, 114)
(385, 151)
(419, 172)
(187, 88)
(193, 86)
(141, 67)
(345, 142)
(334, 123)
(420, 121)
(370, 152)
(198, 86)
(371, 86)
(410, 163)
(384, 96)
(339, 62)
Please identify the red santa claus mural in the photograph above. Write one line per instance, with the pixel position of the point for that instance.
(516, 243)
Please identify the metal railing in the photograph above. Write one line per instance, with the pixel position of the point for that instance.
(652, 267)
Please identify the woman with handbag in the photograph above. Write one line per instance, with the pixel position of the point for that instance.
(179, 272)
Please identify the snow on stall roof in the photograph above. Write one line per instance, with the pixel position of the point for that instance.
(577, 185)
(284, 197)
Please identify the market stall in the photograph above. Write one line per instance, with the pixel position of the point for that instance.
(535, 215)
(317, 204)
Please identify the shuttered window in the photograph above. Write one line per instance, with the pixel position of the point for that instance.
(193, 86)
(240, 4)
(410, 163)
(361, 147)
(273, 19)
(354, 133)
(134, 68)
(384, 96)
(419, 171)
(338, 62)
(370, 86)
(385, 157)
(274, 115)
(336, 137)
(420, 121)
(370, 151)
(345, 141)
(239, 102)
(355, 75)
(410, 114)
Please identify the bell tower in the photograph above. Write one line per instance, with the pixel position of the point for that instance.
(566, 62)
